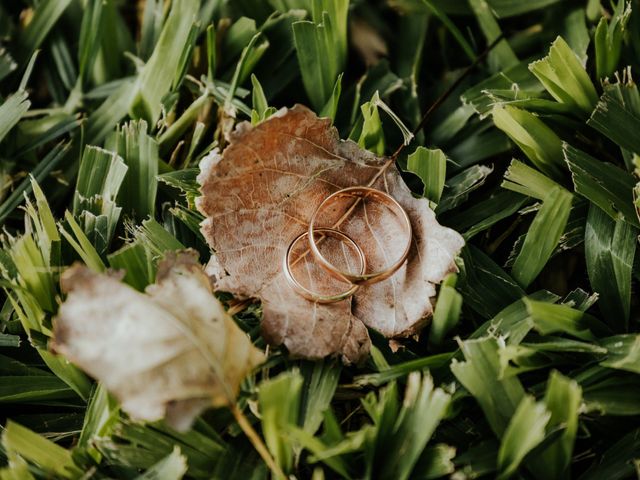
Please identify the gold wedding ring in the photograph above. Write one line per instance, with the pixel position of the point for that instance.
(305, 292)
(360, 194)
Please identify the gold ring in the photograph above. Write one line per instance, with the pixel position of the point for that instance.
(305, 292)
(360, 193)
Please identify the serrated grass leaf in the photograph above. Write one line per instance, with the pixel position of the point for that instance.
(610, 248)
(603, 184)
(525, 431)
(431, 167)
(480, 375)
(543, 236)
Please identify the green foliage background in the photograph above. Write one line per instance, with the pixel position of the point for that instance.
(530, 367)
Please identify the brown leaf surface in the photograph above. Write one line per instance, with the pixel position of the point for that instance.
(171, 351)
(259, 196)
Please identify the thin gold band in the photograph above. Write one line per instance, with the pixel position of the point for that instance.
(305, 292)
(360, 193)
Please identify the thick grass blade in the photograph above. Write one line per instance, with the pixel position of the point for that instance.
(603, 184)
(90, 36)
(279, 400)
(115, 107)
(39, 173)
(543, 236)
(45, 16)
(608, 39)
(525, 431)
(320, 383)
(610, 248)
(31, 389)
(324, 38)
(431, 167)
(446, 314)
(549, 318)
(12, 110)
(434, 8)
(528, 181)
(623, 352)
(137, 194)
(423, 408)
(483, 215)
(562, 399)
(137, 264)
(480, 375)
(565, 78)
(158, 74)
(538, 142)
(172, 467)
(512, 322)
(34, 448)
(617, 115)
(502, 56)
(485, 287)
(457, 188)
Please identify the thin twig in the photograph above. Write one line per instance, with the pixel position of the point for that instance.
(238, 306)
(257, 442)
(424, 119)
(449, 91)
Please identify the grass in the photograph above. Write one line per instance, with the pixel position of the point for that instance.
(530, 367)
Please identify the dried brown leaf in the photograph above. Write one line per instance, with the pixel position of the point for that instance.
(172, 351)
(259, 196)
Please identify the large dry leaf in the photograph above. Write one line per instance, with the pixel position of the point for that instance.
(171, 351)
(260, 195)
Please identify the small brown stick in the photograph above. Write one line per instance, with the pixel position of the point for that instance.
(237, 306)
(424, 119)
(257, 442)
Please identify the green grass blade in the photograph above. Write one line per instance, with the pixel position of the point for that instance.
(623, 352)
(538, 142)
(45, 16)
(610, 248)
(81, 244)
(423, 408)
(137, 264)
(525, 431)
(527, 181)
(543, 236)
(158, 74)
(502, 56)
(480, 375)
(617, 115)
(37, 449)
(548, 318)
(603, 184)
(39, 173)
(320, 382)
(172, 467)
(433, 8)
(279, 401)
(12, 110)
(485, 287)
(139, 151)
(446, 314)
(431, 167)
(323, 38)
(565, 78)
(608, 39)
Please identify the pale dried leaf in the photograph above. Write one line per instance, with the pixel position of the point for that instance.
(259, 196)
(170, 352)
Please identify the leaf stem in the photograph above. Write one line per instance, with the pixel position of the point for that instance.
(257, 442)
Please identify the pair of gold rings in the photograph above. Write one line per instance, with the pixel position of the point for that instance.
(315, 234)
